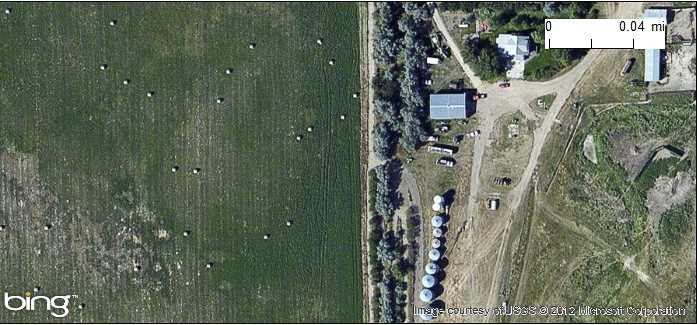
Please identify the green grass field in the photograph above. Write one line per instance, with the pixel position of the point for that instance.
(92, 156)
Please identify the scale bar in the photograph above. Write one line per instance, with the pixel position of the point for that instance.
(549, 46)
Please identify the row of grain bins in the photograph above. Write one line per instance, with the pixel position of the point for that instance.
(432, 268)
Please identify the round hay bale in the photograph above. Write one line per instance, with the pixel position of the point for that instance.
(228, 71)
(126, 81)
(3, 227)
(187, 233)
(320, 41)
(310, 128)
(252, 46)
(103, 67)
(175, 168)
(332, 62)
(299, 137)
(150, 94)
(112, 22)
(289, 223)
(355, 95)
(197, 170)
(219, 100)
(343, 117)
(37, 289)
(48, 227)
(8, 11)
(81, 305)
(209, 265)
(137, 267)
(267, 236)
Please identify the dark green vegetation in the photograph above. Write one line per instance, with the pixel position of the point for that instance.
(484, 58)
(92, 156)
(401, 45)
(520, 18)
(597, 237)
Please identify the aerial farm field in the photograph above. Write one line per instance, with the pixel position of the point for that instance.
(90, 158)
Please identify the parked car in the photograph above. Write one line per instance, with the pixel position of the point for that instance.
(504, 85)
(473, 134)
(478, 96)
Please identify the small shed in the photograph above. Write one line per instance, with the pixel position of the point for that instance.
(432, 60)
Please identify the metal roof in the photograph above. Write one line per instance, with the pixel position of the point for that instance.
(448, 106)
(656, 13)
(652, 64)
(652, 57)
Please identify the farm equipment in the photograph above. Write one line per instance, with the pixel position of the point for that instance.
(445, 161)
(627, 66)
(503, 181)
(443, 128)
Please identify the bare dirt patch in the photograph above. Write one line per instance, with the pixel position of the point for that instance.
(589, 149)
(631, 156)
(666, 193)
(679, 75)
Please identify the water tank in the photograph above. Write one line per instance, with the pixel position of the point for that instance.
(431, 268)
(434, 254)
(426, 295)
(428, 281)
(437, 232)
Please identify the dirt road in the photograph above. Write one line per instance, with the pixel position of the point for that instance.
(368, 64)
(455, 49)
(474, 278)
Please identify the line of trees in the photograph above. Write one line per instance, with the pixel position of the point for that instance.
(400, 48)
(387, 265)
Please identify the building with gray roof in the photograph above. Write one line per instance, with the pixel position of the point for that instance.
(450, 106)
(652, 57)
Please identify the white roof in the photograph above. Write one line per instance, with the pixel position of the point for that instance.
(652, 57)
(514, 45)
(438, 199)
(437, 207)
(432, 60)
